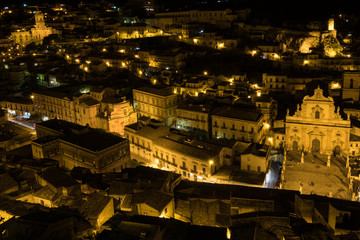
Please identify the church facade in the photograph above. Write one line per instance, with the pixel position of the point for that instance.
(317, 127)
(35, 34)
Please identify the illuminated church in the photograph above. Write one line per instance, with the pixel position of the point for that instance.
(35, 34)
(317, 127)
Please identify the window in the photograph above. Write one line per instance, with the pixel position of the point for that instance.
(248, 167)
(184, 173)
(351, 83)
(195, 170)
(204, 170)
(259, 169)
(317, 114)
(215, 124)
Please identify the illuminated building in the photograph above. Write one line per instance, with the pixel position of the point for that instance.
(74, 145)
(351, 85)
(193, 117)
(167, 19)
(17, 106)
(100, 108)
(35, 34)
(194, 160)
(156, 103)
(256, 158)
(236, 124)
(317, 127)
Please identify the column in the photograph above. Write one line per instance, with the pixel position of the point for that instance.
(328, 161)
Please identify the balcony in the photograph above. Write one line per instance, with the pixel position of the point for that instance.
(184, 168)
(173, 164)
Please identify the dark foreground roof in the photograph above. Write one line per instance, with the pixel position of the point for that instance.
(86, 137)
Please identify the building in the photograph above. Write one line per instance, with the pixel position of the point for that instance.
(167, 19)
(78, 146)
(317, 127)
(99, 108)
(194, 160)
(153, 203)
(267, 106)
(35, 34)
(16, 106)
(256, 158)
(141, 140)
(54, 104)
(156, 103)
(237, 124)
(351, 85)
(193, 118)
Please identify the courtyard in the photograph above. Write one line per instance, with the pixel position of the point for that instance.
(313, 176)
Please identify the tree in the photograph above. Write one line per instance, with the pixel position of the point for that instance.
(30, 82)
(30, 47)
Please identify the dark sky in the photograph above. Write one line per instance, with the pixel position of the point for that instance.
(273, 9)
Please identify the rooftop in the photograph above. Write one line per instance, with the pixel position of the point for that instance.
(257, 149)
(57, 178)
(238, 114)
(167, 91)
(83, 136)
(153, 198)
(196, 151)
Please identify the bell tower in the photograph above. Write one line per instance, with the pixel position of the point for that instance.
(331, 24)
(39, 20)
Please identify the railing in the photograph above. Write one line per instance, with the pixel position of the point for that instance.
(184, 168)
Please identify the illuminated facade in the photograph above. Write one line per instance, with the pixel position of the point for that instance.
(18, 107)
(317, 127)
(194, 160)
(237, 124)
(189, 117)
(351, 85)
(98, 109)
(167, 19)
(158, 104)
(35, 34)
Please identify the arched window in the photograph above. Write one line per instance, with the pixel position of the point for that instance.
(317, 114)
(351, 83)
